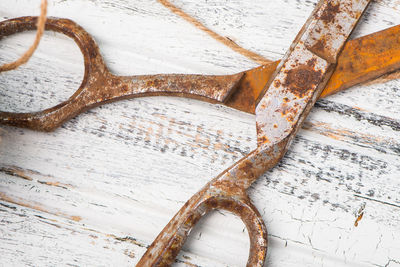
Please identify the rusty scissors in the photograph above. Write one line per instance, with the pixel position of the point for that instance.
(281, 94)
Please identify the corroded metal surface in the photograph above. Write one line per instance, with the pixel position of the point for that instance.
(250, 87)
(362, 59)
(366, 58)
(291, 92)
(100, 86)
(336, 20)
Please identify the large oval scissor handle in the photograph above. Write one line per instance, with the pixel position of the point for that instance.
(100, 86)
(225, 192)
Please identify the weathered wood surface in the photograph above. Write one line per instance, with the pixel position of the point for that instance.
(98, 190)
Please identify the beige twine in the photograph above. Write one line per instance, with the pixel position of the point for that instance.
(28, 54)
(224, 40)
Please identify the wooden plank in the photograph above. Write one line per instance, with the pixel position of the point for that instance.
(122, 170)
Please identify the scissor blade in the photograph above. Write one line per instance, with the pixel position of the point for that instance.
(362, 59)
(304, 71)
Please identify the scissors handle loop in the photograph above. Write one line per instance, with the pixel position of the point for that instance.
(100, 86)
(217, 194)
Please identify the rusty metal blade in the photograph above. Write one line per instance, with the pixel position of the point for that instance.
(362, 59)
(366, 58)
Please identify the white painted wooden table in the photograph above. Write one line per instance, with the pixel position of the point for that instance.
(98, 190)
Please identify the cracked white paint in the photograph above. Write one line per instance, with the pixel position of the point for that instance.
(103, 186)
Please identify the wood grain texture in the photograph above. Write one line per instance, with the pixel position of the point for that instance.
(98, 190)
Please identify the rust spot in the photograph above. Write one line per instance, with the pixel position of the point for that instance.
(330, 12)
(263, 140)
(358, 219)
(93, 53)
(350, 66)
(284, 110)
(259, 126)
(125, 88)
(76, 218)
(311, 63)
(319, 45)
(290, 117)
(300, 80)
(115, 82)
(250, 87)
(228, 187)
(288, 111)
(243, 98)
(247, 167)
(153, 83)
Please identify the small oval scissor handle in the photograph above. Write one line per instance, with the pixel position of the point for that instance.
(100, 86)
(221, 193)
